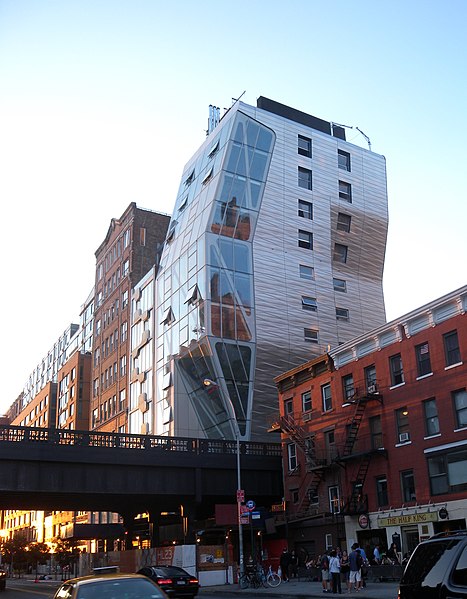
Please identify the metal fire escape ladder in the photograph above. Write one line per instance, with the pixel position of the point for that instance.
(356, 499)
(354, 426)
(311, 491)
(295, 431)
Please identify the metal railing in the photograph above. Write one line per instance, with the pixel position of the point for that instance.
(25, 434)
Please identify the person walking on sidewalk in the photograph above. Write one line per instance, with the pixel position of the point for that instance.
(335, 570)
(324, 565)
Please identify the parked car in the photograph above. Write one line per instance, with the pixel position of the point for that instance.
(437, 568)
(110, 586)
(175, 581)
(2, 580)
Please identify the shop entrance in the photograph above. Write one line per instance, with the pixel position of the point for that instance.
(410, 538)
(368, 539)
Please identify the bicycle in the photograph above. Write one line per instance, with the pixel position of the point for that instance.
(250, 578)
(273, 579)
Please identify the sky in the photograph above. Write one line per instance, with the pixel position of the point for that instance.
(102, 102)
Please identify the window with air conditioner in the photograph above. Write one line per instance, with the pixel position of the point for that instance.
(402, 425)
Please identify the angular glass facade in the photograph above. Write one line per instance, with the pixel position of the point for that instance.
(229, 310)
(205, 288)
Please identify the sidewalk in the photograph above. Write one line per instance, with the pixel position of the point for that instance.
(305, 590)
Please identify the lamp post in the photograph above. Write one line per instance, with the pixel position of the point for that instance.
(210, 383)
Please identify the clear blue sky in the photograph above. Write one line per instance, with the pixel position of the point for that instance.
(103, 101)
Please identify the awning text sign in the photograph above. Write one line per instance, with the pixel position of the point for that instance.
(419, 518)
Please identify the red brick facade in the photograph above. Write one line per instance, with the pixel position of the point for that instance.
(386, 434)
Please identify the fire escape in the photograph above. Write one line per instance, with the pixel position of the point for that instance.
(317, 465)
(357, 502)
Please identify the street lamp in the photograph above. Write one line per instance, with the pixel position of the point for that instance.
(210, 383)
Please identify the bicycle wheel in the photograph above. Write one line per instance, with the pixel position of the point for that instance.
(264, 580)
(244, 581)
(255, 582)
(274, 580)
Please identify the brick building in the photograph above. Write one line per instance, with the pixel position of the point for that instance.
(375, 434)
(129, 250)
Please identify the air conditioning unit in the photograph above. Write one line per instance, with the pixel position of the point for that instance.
(306, 416)
(403, 437)
(371, 388)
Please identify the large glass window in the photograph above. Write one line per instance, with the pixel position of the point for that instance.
(422, 352)
(451, 348)
(448, 472)
(397, 372)
(460, 406)
(431, 417)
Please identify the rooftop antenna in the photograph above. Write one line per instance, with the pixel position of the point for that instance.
(239, 98)
(366, 137)
(351, 127)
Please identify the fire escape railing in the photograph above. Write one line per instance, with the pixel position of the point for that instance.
(318, 461)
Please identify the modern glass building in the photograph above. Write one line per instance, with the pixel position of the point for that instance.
(274, 253)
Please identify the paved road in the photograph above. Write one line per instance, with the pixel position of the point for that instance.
(27, 589)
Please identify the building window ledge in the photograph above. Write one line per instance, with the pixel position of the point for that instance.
(403, 444)
(424, 376)
(397, 386)
(432, 436)
(459, 430)
(453, 365)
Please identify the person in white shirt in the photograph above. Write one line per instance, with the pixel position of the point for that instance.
(335, 571)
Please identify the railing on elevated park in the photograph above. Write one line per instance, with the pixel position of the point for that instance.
(25, 434)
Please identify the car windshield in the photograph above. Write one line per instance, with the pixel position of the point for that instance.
(429, 563)
(124, 588)
(171, 571)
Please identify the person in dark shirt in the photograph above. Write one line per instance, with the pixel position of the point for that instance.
(284, 562)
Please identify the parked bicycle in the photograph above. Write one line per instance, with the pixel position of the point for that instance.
(273, 579)
(254, 578)
(251, 578)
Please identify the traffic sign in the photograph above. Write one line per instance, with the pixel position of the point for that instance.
(250, 504)
(240, 496)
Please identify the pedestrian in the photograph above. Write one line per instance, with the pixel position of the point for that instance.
(393, 554)
(324, 565)
(284, 562)
(293, 565)
(335, 570)
(377, 555)
(355, 563)
(345, 568)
